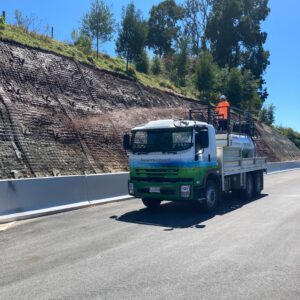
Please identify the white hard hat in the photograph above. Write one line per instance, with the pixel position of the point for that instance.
(223, 97)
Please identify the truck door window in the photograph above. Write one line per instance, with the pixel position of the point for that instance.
(201, 139)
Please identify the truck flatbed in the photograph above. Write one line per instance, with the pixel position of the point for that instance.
(232, 162)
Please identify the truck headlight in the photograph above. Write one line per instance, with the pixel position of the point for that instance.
(185, 191)
(130, 188)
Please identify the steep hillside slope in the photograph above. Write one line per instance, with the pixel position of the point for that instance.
(274, 145)
(58, 116)
(61, 116)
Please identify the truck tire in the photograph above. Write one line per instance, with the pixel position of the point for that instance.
(237, 194)
(258, 183)
(151, 203)
(248, 192)
(212, 196)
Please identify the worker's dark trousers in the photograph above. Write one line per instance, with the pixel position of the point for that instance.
(223, 125)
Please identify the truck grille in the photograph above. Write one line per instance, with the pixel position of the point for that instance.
(157, 173)
(161, 179)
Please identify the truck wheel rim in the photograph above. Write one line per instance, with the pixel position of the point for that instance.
(210, 197)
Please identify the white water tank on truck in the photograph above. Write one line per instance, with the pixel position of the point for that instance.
(242, 141)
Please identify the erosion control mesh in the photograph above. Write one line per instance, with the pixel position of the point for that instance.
(60, 117)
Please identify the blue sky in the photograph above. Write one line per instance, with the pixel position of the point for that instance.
(282, 25)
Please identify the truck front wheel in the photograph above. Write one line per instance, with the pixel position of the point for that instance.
(212, 196)
(151, 203)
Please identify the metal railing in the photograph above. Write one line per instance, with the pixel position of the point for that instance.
(238, 121)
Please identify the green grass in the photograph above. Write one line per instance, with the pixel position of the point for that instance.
(32, 39)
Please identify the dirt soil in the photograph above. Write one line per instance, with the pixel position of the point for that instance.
(60, 117)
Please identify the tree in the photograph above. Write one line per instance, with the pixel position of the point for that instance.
(156, 65)
(163, 27)
(2, 20)
(196, 17)
(170, 69)
(142, 62)
(253, 56)
(250, 100)
(263, 115)
(222, 31)
(237, 42)
(98, 23)
(235, 88)
(182, 62)
(132, 35)
(241, 90)
(205, 75)
(82, 41)
(235, 35)
(24, 22)
(271, 114)
(267, 114)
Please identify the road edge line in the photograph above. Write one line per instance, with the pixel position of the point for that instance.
(282, 171)
(59, 209)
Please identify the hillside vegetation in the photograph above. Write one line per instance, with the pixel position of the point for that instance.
(203, 49)
(58, 116)
(104, 61)
(290, 133)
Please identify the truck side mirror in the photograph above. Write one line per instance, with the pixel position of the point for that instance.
(126, 142)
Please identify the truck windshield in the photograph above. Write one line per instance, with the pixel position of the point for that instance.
(162, 140)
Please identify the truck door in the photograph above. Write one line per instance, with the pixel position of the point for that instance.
(205, 144)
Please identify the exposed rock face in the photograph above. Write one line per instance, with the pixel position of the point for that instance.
(275, 146)
(58, 116)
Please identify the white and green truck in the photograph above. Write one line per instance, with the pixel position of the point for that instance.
(187, 160)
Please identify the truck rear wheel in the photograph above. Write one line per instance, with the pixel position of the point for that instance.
(212, 196)
(248, 192)
(258, 183)
(151, 203)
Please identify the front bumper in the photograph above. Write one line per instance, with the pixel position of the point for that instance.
(167, 191)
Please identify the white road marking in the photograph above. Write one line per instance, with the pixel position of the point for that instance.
(287, 170)
(4, 227)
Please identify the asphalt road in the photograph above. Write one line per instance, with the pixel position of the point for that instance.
(123, 251)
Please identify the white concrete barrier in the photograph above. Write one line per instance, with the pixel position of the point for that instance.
(24, 198)
(23, 195)
(283, 166)
(104, 186)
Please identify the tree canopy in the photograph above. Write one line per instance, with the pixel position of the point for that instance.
(163, 26)
(205, 75)
(267, 114)
(236, 38)
(98, 23)
(290, 133)
(195, 19)
(211, 46)
(132, 35)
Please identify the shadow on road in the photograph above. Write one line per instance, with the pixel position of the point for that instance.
(180, 215)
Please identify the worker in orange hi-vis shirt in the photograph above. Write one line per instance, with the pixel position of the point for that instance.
(222, 111)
